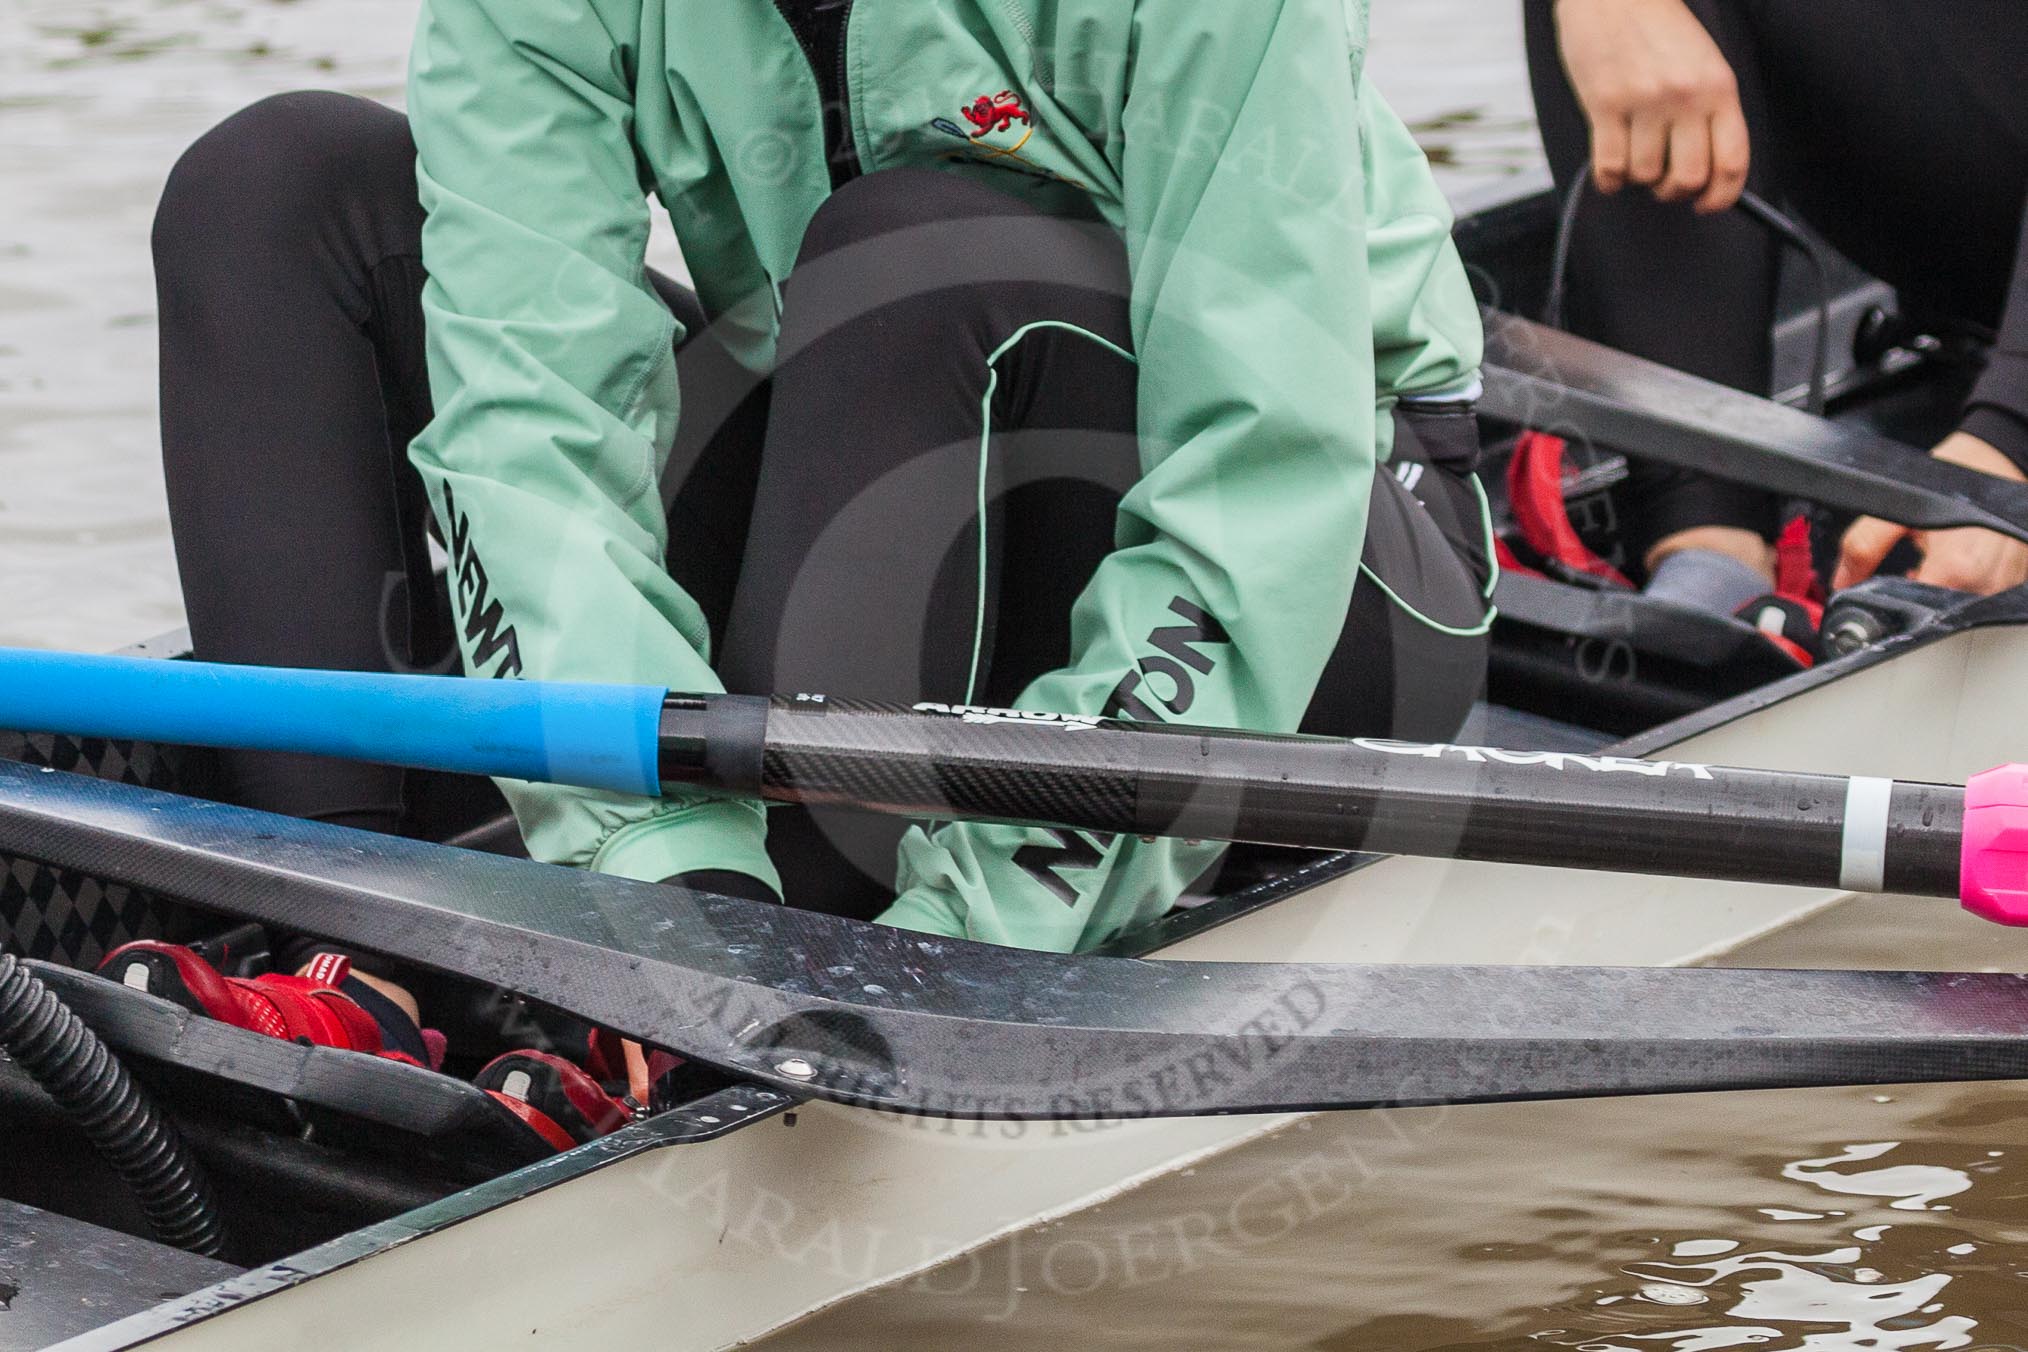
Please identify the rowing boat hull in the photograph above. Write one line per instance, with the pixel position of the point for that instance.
(860, 1222)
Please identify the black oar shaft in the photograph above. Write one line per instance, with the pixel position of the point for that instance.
(1556, 809)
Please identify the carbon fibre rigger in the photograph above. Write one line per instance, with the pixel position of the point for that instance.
(813, 1005)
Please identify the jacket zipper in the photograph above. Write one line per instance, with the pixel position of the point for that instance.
(821, 27)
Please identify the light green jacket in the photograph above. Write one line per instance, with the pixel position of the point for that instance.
(1292, 277)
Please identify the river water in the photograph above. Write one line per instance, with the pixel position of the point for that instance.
(1826, 1220)
(1835, 1221)
(96, 100)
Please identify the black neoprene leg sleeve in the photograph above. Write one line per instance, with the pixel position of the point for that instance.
(287, 248)
(288, 256)
(945, 344)
(862, 573)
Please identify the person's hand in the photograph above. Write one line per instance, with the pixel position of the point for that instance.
(1968, 559)
(1662, 101)
(640, 1084)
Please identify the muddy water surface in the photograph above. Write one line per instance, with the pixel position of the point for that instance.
(96, 100)
(1830, 1221)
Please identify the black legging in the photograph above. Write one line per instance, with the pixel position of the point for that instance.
(1899, 131)
(824, 520)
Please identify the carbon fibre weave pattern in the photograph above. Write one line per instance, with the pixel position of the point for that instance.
(68, 917)
(1564, 810)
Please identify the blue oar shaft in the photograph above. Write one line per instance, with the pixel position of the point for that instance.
(1083, 774)
(590, 736)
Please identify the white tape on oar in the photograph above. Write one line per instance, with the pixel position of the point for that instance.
(1863, 864)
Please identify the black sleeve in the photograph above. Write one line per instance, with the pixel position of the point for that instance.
(1998, 409)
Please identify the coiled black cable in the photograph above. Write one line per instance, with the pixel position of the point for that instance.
(74, 1068)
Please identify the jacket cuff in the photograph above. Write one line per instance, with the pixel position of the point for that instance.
(923, 912)
(2003, 429)
(717, 834)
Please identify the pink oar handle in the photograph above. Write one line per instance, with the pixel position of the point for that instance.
(1995, 876)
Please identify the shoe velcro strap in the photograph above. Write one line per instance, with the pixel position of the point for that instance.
(260, 1011)
(309, 1010)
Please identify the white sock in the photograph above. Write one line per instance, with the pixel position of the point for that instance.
(1704, 579)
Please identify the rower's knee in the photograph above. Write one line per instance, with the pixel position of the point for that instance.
(264, 182)
(896, 200)
(960, 251)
